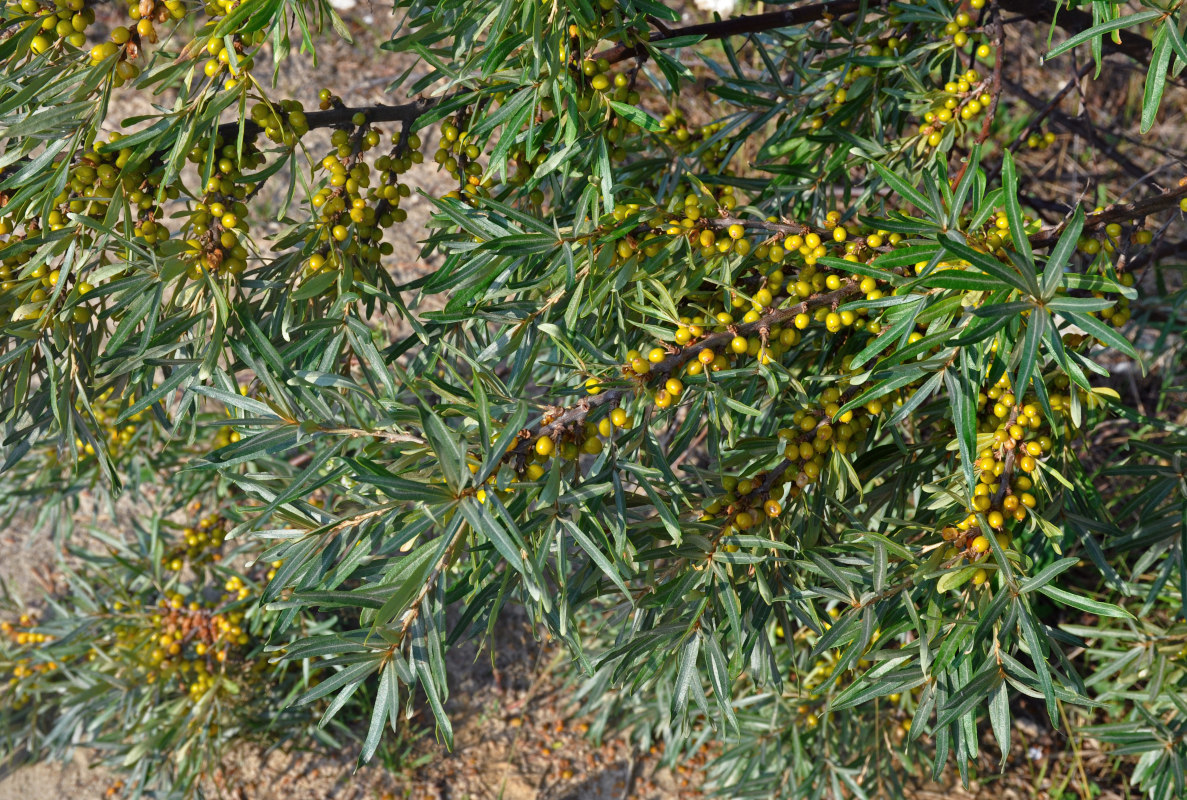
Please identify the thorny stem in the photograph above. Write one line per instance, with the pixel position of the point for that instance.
(1083, 127)
(996, 89)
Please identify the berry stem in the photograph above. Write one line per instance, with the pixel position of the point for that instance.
(995, 91)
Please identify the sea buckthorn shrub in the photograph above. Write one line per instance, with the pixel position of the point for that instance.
(784, 367)
(151, 651)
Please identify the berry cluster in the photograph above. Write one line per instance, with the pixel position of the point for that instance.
(284, 123)
(685, 138)
(235, 61)
(958, 28)
(98, 175)
(820, 430)
(1013, 437)
(26, 290)
(571, 445)
(26, 637)
(225, 436)
(66, 21)
(200, 544)
(996, 233)
(187, 643)
(615, 86)
(959, 101)
(525, 169)
(126, 44)
(219, 220)
(357, 202)
(771, 288)
(458, 156)
(119, 439)
(1040, 141)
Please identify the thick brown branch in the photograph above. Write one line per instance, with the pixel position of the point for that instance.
(735, 26)
(1042, 11)
(406, 113)
(1118, 212)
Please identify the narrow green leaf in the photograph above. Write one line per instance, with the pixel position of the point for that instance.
(595, 553)
(719, 678)
(1028, 362)
(686, 673)
(407, 581)
(1101, 331)
(1100, 608)
(1018, 235)
(1062, 253)
(384, 698)
(450, 456)
(636, 115)
(1160, 62)
(1096, 31)
(905, 190)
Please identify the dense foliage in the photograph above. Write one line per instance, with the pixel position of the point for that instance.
(753, 357)
(132, 643)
